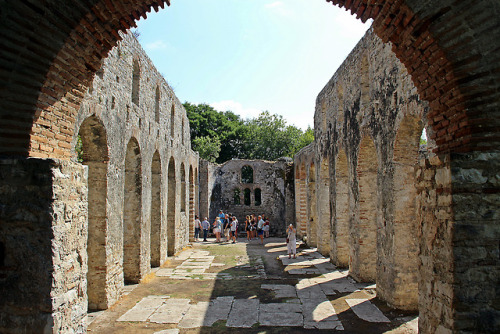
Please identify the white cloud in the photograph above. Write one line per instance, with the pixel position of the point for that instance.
(156, 45)
(237, 108)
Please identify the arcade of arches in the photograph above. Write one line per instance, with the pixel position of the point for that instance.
(427, 222)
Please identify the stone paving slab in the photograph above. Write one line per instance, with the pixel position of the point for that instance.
(280, 308)
(365, 310)
(171, 312)
(195, 316)
(244, 313)
(165, 272)
(292, 319)
(303, 271)
(310, 292)
(281, 290)
(218, 310)
(320, 314)
(144, 308)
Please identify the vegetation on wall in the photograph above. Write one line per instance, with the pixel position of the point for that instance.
(222, 136)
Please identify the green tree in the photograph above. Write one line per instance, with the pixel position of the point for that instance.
(266, 137)
(208, 147)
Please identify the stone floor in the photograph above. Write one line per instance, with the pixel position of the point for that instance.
(219, 288)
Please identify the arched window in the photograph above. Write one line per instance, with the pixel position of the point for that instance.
(236, 197)
(246, 196)
(136, 78)
(258, 197)
(247, 174)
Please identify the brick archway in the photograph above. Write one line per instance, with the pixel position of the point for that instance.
(51, 52)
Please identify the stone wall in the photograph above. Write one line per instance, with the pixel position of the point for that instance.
(135, 140)
(356, 182)
(269, 191)
(43, 235)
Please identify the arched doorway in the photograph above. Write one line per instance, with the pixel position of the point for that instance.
(156, 210)
(132, 213)
(171, 208)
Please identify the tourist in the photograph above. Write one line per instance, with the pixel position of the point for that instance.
(248, 227)
(227, 226)
(217, 229)
(260, 230)
(234, 226)
(197, 226)
(266, 229)
(291, 241)
(205, 225)
(254, 225)
(237, 223)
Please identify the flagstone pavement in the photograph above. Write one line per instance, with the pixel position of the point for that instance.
(306, 294)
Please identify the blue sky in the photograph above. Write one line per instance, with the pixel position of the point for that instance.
(251, 55)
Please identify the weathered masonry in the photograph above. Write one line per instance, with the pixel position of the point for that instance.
(105, 222)
(245, 187)
(370, 200)
(356, 184)
(52, 50)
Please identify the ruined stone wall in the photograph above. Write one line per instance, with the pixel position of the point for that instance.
(134, 134)
(368, 122)
(230, 191)
(43, 236)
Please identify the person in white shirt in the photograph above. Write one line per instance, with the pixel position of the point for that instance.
(234, 226)
(260, 229)
(291, 241)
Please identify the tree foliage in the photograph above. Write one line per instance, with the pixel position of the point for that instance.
(266, 137)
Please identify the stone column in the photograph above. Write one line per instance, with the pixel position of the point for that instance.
(43, 234)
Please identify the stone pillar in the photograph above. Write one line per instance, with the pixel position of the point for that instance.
(459, 233)
(43, 232)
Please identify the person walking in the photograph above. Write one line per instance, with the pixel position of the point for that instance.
(227, 227)
(291, 241)
(205, 225)
(197, 227)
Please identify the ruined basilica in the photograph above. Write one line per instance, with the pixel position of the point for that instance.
(99, 184)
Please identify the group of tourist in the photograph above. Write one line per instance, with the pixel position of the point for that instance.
(255, 226)
(224, 225)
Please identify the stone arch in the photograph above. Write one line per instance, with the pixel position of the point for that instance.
(400, 244)
(340, 229)
(157, 104)
(323, 207)
(183, 188)
(94, 154)
(132, 213)
(156, 210)
(246, 174)
(312, 219)
(171, 205)
(363, 251)
(136, 81)
(257, 196)
(191, 203)
(442, 75)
